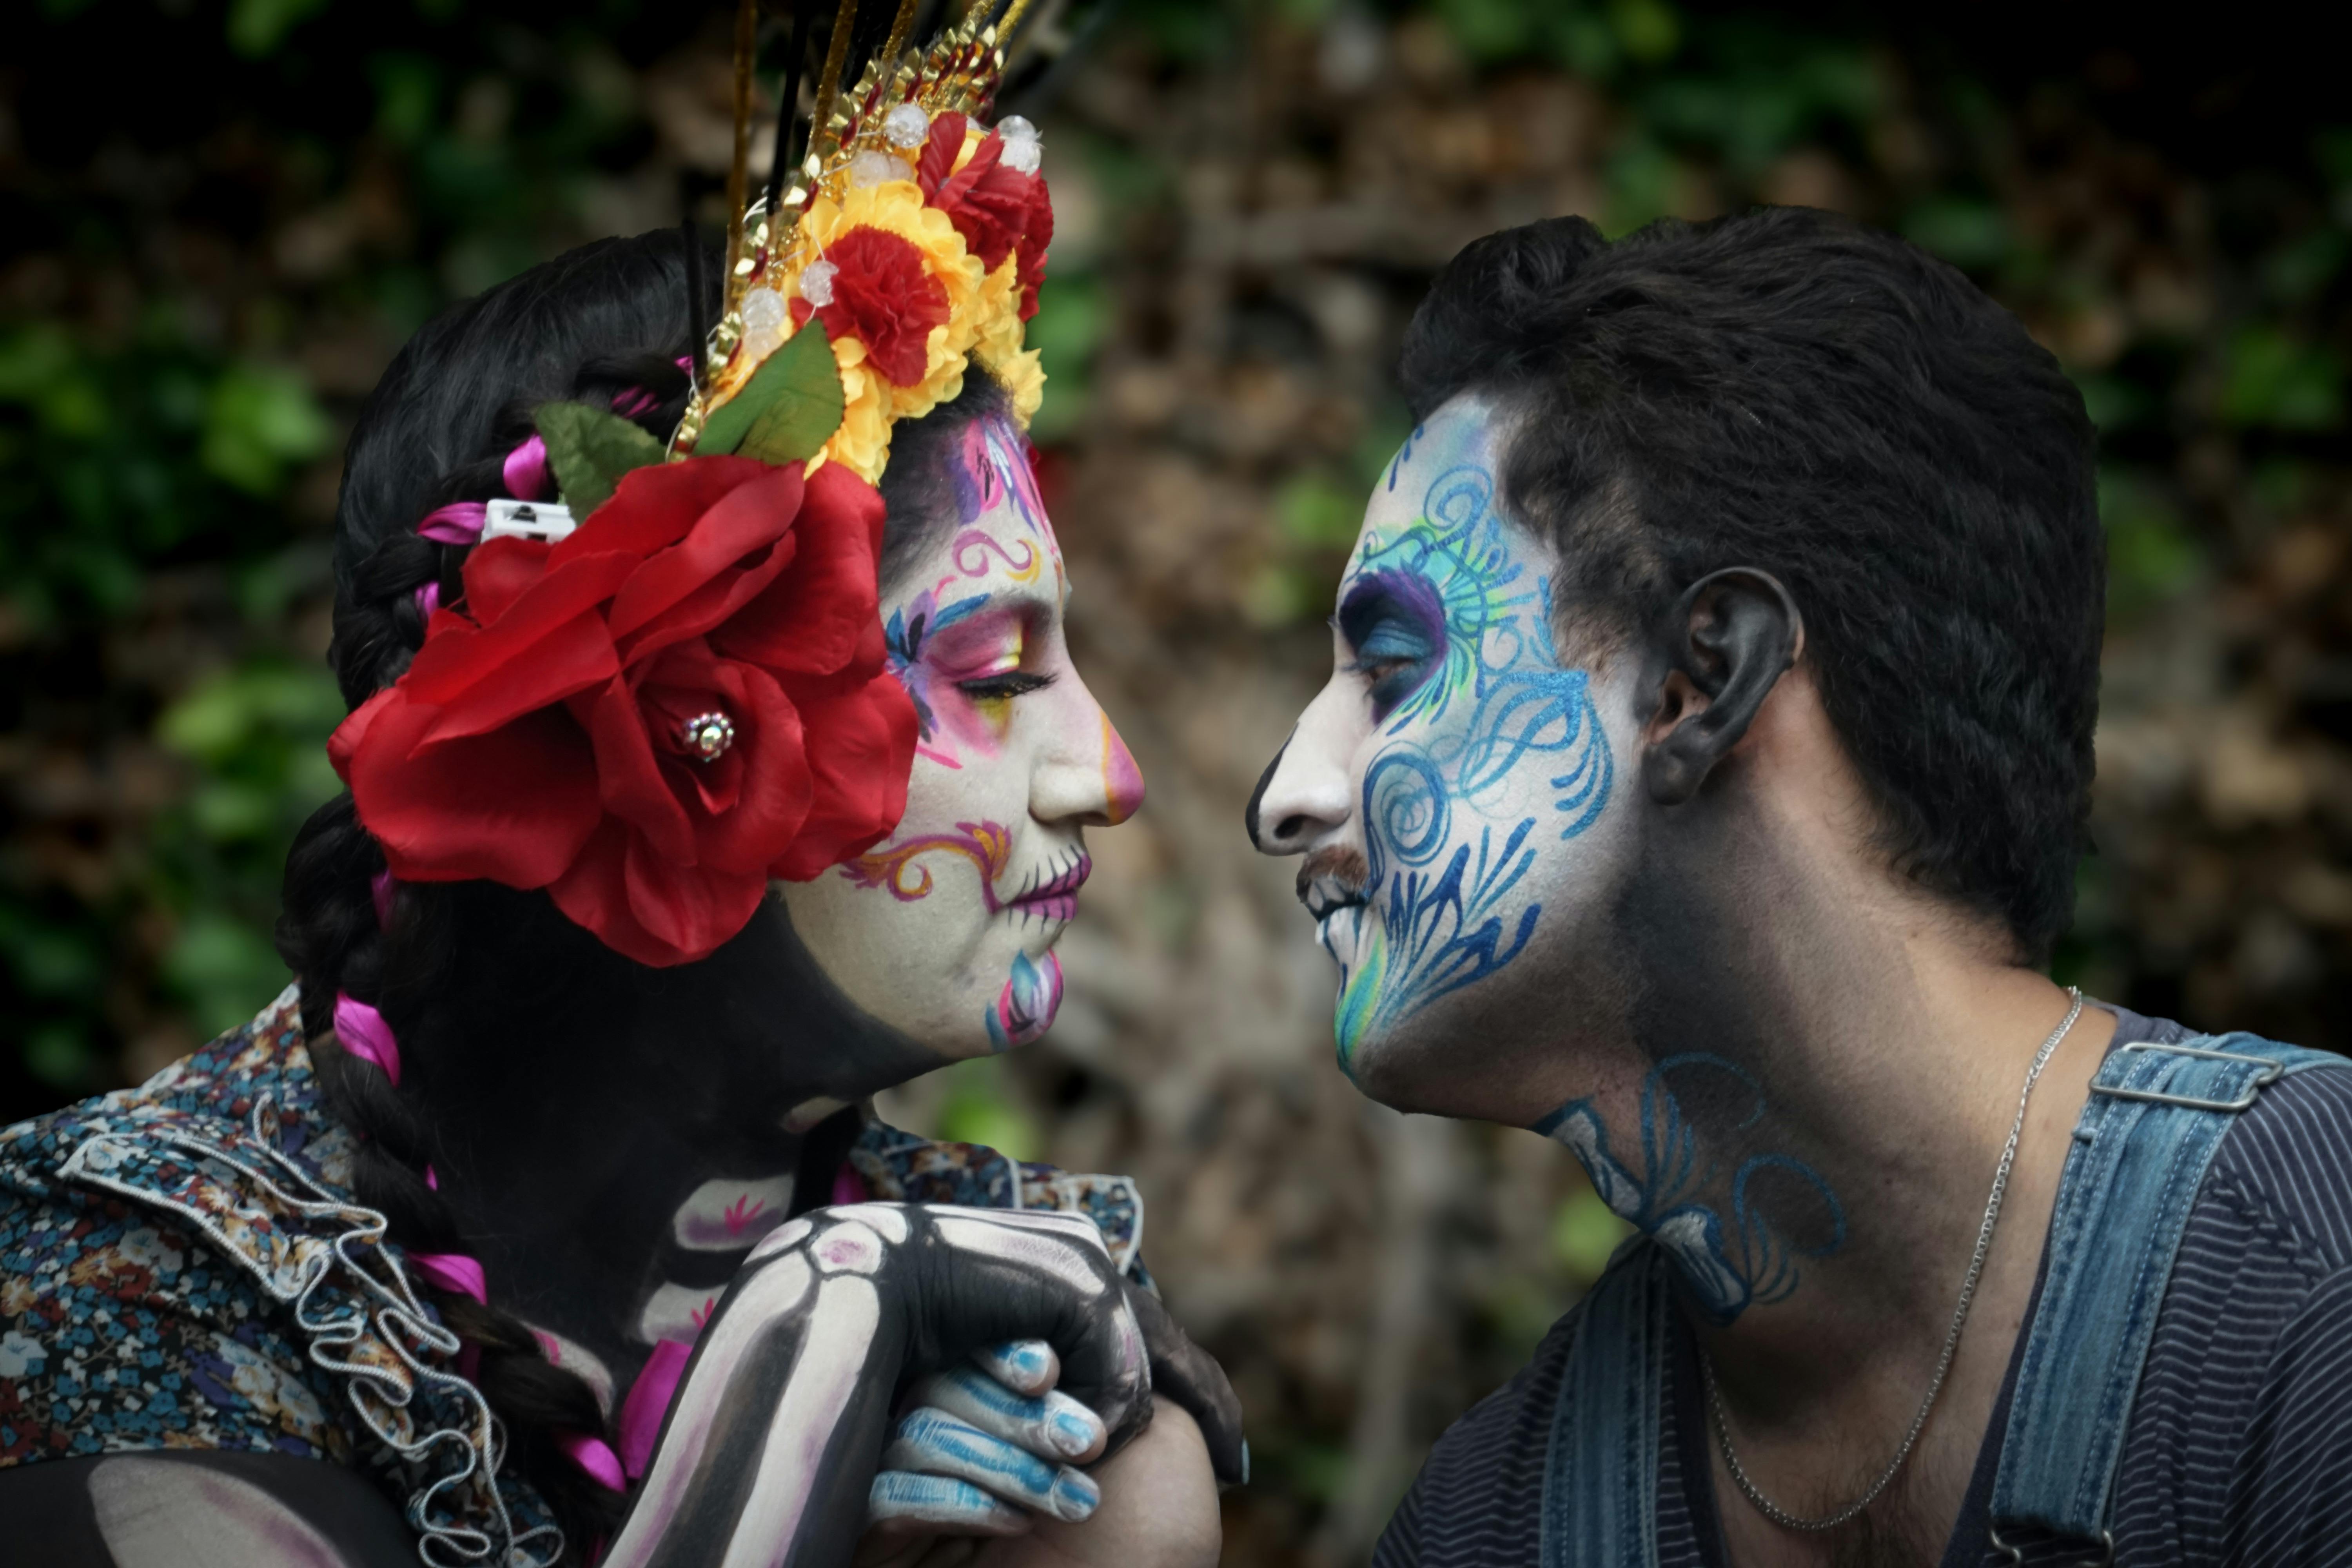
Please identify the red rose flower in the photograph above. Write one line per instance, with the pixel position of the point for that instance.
(884, 298)
(542, 737)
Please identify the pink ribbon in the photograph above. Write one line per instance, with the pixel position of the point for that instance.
(848, 1188)
(453, 1271)
(526, 471)
(526, 477)
(428, 599)
(648, 1402)
(380, 890)
(365, 1034)
(459, 522)
(595, 1455)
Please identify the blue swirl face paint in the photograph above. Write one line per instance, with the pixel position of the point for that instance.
(1731, 1226)
(1489, 755)
(1452, 790)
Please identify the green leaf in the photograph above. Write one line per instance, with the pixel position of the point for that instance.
(590, 450)
(790, 408)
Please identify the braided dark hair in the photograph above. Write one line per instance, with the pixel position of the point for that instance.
(589, 325)
(599, 325)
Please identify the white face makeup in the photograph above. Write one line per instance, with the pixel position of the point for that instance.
(1451, 786)
(946, 930)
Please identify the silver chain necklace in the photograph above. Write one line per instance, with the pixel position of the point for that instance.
(1781, 1516)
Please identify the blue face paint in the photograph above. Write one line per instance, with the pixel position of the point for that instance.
(1396, 624)
(1719, 1227)
(1492, 751)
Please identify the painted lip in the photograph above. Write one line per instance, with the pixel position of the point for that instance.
(1056, 897)
(1340, 930)
(1326, 896)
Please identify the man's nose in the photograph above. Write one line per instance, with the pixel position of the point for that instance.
(1303, 794)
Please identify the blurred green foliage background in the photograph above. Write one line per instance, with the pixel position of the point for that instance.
(222, 216)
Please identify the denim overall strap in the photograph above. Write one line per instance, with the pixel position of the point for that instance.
(1600, 1471)
(2156, 1114)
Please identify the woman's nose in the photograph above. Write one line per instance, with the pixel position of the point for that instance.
(1085, 772)
(1304, 792)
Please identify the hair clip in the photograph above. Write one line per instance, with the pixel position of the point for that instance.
(547, 521)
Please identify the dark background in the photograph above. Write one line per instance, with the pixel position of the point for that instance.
(221, 220)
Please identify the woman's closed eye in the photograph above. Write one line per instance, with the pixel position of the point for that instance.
(1003, 688)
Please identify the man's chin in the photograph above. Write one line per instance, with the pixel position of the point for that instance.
(1418, 1073)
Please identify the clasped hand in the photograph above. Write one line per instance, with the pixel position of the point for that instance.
(982, 1356)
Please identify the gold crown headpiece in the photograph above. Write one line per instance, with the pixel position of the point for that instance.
(913, 235)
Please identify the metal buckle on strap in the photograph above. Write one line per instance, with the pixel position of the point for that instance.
(2015, 1554)
(2273, 1069)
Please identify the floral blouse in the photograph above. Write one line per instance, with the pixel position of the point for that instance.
(183, 1266)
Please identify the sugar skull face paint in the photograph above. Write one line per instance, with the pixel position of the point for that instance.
(946, 930)
(1447, 782)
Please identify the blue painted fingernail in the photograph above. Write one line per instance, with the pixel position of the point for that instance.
(1245, 1461)
(1075, 1496)
(1074, 1434)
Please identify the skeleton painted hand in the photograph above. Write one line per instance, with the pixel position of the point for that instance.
(773, 1441)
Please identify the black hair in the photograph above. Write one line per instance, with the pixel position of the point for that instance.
(591, 325)
(1785, 390)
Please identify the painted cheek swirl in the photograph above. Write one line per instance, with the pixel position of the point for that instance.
(987, 845)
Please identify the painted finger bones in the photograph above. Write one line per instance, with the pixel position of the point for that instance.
(769, 1450)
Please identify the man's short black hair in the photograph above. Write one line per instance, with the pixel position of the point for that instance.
(1788, 390)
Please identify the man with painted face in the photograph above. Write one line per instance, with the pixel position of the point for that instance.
(1700, 784)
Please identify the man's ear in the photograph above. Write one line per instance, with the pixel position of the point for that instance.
(1716, 657)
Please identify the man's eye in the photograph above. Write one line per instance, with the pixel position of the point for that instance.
(1003, 688)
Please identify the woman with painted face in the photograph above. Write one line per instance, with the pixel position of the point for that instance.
(716, 761)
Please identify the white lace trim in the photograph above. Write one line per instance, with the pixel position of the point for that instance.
(399, 1321)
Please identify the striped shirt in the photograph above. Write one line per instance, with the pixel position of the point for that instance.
(2239, 1444)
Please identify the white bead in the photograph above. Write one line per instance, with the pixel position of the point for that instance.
(875, 167)
(905, 126)
(816, 283)
(1024, 156)
(1016, 128)
(758, 342)
(762, 307)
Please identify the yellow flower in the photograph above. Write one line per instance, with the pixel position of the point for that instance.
(1024, 378)
(862, 445)
(983, 316)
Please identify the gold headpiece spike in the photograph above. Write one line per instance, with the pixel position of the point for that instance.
(900, 25)
(1008, 22)
(828, 86)
(738, 172)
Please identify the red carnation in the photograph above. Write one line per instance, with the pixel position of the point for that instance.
(998, 209)
(540, 739)
(884, 298)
